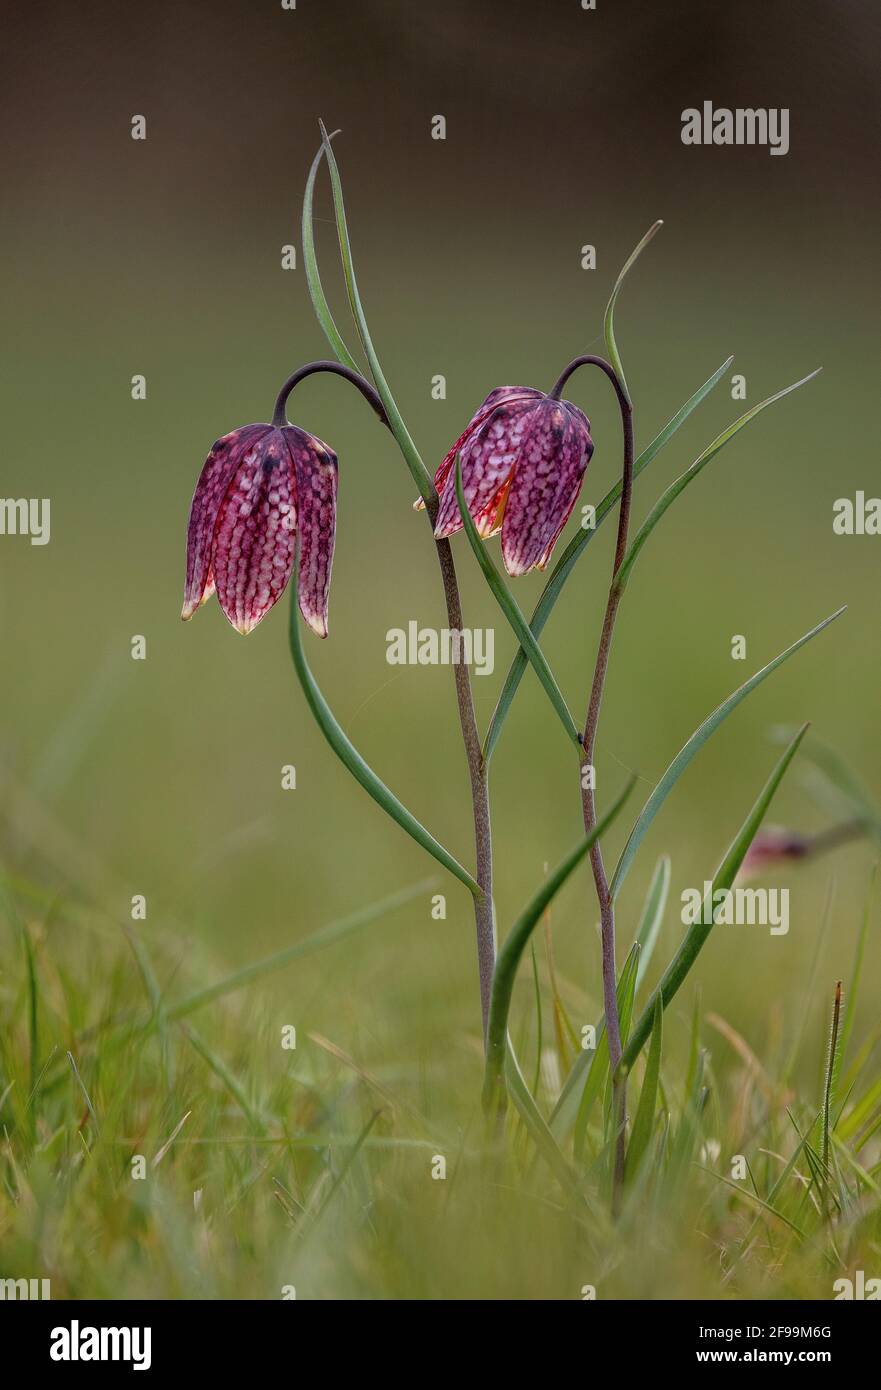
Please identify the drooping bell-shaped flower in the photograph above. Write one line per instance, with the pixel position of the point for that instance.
(260, 486)
(263, 490)
(523, 459)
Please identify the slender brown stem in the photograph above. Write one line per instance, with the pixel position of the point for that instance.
(478, 772)
(588, 801)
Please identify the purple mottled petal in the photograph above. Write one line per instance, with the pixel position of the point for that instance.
(488, 458)
(214, 480)
(495, 397)
(254, 537)
(581, 423)
(316, 470)
(547, 480)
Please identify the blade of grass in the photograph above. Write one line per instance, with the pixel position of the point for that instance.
(698, 932)
(225, 1076)
(313, 279)
(538, 1019)
(512, 950)
(833, 1059)
(609, 317)
(652, 915)
(351, 758)
(33, 996)
(82, 1085)
(159, 1018)
(576, 546)
(850, 1004)
(326, 936)
(681, 483)
(421, 476)
(752, 1197)
(599, 1065)
(509, 607)
(645, 1112)
(700, 736)
(344, 1170)
(535, 1123)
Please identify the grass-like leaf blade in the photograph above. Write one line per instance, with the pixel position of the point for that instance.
(652, 915)
(421, 476)
(599, 1066)
(351, 758)
(316, 941)
(313, 279)
(515, 944)
(609, 316)
(700, 736)
(698, 932)
(535, 1122)
(645, 1112)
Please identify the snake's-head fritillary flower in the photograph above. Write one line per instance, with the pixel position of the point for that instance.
(773, 847)
(523, 459)
(261, 487)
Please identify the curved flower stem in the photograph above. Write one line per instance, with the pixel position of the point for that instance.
(588, 802)
(279, 415)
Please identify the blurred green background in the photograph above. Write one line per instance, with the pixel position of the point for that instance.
(163, 257)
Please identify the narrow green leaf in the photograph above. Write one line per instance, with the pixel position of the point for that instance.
(700, 736)
(511, 952)
(313, 279)
(344, 1170)
(862, 1111)
(159, 1018)
(753, 1197)
(225, 1076)
(82, 1085)
(33, 997)
(833, 1060)
(535, 1122)
(538, 1019)
(851, 1000)
(351, 758)
(777, 1189)
(509, 607)
(599, 1066)
(421, 476)
(574, 549)
(681, 483)
(695, 1053)
(326, 936)
(609, 317)
(698, 932)
(645, 1114)
(652, 915)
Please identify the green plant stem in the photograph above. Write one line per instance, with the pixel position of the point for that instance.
(588, 800)
(478, 773)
